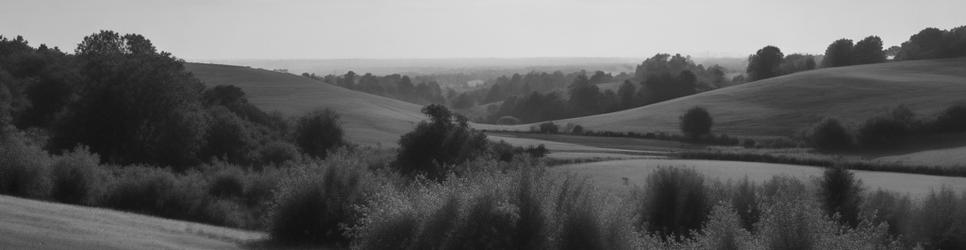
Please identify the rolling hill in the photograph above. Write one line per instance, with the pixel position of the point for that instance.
(784, 105)
(368, 119)
(31, 224)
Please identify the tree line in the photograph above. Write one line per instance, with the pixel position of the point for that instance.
(395, 86)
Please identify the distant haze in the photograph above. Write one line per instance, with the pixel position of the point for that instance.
(312, 29)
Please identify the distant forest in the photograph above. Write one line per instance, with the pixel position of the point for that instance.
(542, 96)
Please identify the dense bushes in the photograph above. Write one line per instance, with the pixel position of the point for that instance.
(319, 132)
(840, 194)
(437, 145)
(829, 135)
(317, 206)
(75, 177)
(675, 203)
(24, 167)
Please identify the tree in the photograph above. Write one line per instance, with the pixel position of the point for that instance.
(765, 63)
(627, 94)
(867, 51)
(319, 132)
(137, 105)
(434, 146)
(796, 63)
(583, 96)
(696, 122)
(841, 194)
(838, 54)
(829, 135)
(927, 44)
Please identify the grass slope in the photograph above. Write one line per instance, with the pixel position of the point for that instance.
(784, 105)
(368, 119)
(30, 224)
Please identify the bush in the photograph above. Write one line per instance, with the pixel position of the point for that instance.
(579, 130)
(951, 120)
(549, 128)
(435, 146)
(829, 135)
(278, 152)
(746, 205)
(317, 208)
(696, 122)
(227, 183)
(77, 177)
(841, 195)
(675, 203)
(508, 120)
(24, 167)
(228, 137)
(890, 208)
(941, 223)
(319, 132)
(887, 131)
(724, 231)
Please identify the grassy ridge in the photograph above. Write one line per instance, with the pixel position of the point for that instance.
(783, 105)
(368, 119)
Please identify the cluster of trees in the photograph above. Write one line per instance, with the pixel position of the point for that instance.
(662, 77)
(132, 104)
(770, 62)
(843, 53)
(394, 86)
(890, 130)
(930, 43)
(933, 43)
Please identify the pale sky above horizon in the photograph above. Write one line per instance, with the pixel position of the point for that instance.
(327, 29)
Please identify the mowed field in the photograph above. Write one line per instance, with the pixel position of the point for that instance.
(610, 175)
(30, 224)
(368, 119)
(784, 105)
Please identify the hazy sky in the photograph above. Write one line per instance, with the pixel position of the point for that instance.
(263, 29)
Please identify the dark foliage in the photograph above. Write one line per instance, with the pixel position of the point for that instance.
(841, 195)
(549, 128)
(764, 64)
(838, 54)
(675, 203)
(433, 146)
(696, 122)
(75, 177)
(315, 209)
(829, 135)
(319, 132)
(868, 50)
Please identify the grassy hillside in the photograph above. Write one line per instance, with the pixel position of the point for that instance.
(29, 224)
(783, 105)
(368, 119)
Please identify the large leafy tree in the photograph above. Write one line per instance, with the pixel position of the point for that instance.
(867, 51)
(838, 54)
(765, 63)
(137, 105)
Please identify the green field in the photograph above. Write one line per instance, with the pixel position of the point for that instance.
(784, 105)
(31, 224)
(368, 119)
(610, 174)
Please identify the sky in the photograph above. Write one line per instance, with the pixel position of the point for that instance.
(331, 29)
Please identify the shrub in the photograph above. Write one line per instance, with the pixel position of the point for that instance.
(579, 130)
(77, 177)
(696, 122)
(791, 225)
(882, 132)
(890, 208)
(841, 194)
(951, 120)
(24, 167)
(829, 135)
(319, 132)
(675, 203)
(278, 152)
(508, 120)
(746, 205)
(941, 223)
(549, 128)
(141, 189)
(316, 209)
(228, 137)
(227, 183)
(724, 231)
(436, 145)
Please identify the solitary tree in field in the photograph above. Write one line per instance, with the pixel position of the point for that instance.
(838, 54)
(696, 122)
(765, 63)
